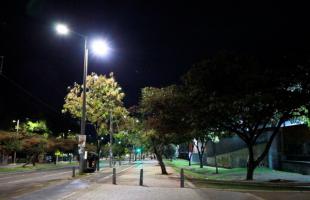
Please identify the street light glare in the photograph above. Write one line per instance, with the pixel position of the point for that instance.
(62, 29)
(100, 47)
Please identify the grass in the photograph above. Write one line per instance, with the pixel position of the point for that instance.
(208, 172)
(39, 166)
(206, 177)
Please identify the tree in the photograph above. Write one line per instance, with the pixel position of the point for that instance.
(202, 139)
(104, 102)
(133, 134)
(169, 151)
(33, 146)
(163, 115)
(34, 141)
(10, 142)
(103, 97)
(247, 98)
(30, 128)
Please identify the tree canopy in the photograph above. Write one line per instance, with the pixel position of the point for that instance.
(244, 97)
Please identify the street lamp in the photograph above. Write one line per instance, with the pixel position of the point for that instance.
(100, 48)
(17, 128)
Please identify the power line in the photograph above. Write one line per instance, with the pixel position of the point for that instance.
(29, 93)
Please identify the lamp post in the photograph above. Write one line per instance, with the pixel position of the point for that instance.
(111, 140)
(101, 48)
(17, 128)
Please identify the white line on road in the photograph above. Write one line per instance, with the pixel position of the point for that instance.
(108, 176)
(69, 195)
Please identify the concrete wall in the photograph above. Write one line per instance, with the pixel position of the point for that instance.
(236, 158)
(296, 166)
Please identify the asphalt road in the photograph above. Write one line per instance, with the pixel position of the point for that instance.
(49, 184)
(13, 184)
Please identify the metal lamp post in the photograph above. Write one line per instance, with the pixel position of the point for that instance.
(17, 129)
(100, 48)
(111, 140)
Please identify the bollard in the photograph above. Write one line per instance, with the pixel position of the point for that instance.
(182, 178)
(73, 171)
(114, 176)
(141, 177)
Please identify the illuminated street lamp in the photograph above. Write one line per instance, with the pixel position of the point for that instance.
(100, 48)
(62, 29)
(17, 128)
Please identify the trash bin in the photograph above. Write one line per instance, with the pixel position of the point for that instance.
(91, 162)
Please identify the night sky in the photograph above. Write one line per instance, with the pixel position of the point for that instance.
(154, 43)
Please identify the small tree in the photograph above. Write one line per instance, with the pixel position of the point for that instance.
(104, 99)
(12, 144)
(33, 146)
(163, 116)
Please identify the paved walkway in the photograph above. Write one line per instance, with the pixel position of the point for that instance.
(156, 187)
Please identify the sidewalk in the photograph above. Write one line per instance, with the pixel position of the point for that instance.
(155, 187)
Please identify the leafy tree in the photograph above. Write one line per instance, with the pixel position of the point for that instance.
(169, 151)
(246, 98)
(30, 128)
(33, 146)
(133, 134)
(13, 144)
(104, 98)
(163, 115)
(10, 142)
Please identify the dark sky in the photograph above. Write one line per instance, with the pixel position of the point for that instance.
(154, 43)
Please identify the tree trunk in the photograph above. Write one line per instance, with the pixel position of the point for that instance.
(200, 160)
(250, 171)
(160, 161)
(215, 161)
(33, 160)
(251, 163)
(30, 159)
(2, 157)
(200, 151)
(190, 158)
(14, 157)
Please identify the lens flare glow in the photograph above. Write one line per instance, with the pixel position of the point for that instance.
(62, 29)
(100, 47)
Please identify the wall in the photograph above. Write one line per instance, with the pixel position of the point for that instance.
(296, 166)
(236, 158)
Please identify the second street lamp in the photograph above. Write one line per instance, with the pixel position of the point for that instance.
(101, 48)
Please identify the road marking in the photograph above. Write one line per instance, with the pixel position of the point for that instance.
(69, 195)
(108, 176)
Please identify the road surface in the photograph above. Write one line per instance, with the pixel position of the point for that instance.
(48, 184)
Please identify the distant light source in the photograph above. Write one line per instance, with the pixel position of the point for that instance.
(100, 47)
(62, 29)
